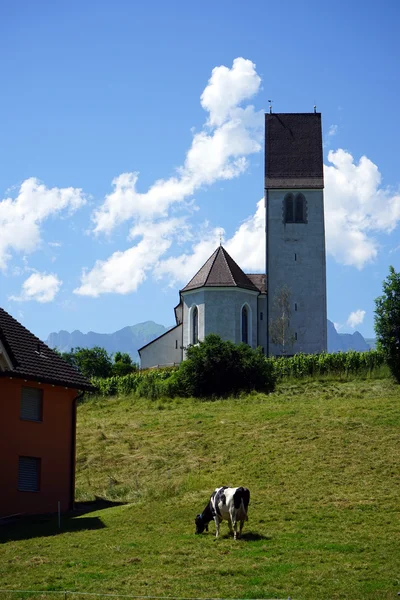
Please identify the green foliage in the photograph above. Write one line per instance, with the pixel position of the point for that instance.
(252, 372)
(91, 362)
(338, 364)
(217, 368)
(387, 322)
(96, 362)
(148, 384)
(123, 364)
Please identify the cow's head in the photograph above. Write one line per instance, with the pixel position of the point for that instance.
(200, 524)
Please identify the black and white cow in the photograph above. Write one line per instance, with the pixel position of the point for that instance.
(228, 504)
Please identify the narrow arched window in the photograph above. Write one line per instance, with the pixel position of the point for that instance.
(245, 325)
(299, 209)
(195, 325)
(289, 211)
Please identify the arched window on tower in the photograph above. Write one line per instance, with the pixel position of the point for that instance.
(288, 208)
(299, 213)
(245, 325)
(195, 325)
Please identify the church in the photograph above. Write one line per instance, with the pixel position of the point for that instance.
(246, 307)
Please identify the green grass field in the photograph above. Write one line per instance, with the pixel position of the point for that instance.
(321, 460)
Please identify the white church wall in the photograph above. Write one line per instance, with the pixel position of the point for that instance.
(262, 321)
(223, 313)
(191, 299)
(296, 259)
(164, 350)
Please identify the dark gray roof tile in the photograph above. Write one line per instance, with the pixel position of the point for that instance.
(220, 270)
(293, 148)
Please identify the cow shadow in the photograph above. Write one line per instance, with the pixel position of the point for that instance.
(251, 536)
(248, 536)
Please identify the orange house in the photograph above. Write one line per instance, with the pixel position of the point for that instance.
(38, 396)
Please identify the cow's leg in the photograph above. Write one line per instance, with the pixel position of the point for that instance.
(230, 525)
(241, 527)
(217, 522)
(234, 524)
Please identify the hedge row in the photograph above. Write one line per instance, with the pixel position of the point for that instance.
(153, 383)
(339, 363)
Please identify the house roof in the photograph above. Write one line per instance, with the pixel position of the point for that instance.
(160, 336)
(293, 150)
(32, 359)
(259, 280)
(220, 270)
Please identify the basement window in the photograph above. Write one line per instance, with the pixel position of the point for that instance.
(29, 474)
(31, 404)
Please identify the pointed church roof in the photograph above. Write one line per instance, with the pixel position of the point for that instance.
(220, 270)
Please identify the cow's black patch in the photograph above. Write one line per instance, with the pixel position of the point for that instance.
(241, 494)
(219, 497)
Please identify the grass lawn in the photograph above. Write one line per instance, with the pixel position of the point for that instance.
(321, 460)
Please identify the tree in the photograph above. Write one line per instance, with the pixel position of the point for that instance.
(387, 322)
(91, 362)
(279, 326)
(123, 364)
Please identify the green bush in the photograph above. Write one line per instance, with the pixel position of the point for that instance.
(217, 368)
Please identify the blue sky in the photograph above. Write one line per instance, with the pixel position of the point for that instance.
(131, 139)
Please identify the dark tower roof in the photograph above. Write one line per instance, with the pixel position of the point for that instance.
(32, 359)
(220, 270)
(293, 150)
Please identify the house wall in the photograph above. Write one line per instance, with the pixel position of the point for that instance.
(52, 440)
(296, 259)
(164, 350)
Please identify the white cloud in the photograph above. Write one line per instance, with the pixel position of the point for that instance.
(356, 318)
(227, 88)
(338, 326)
(246, 246)
(123, 272)
(356, 209)
(356, 206)
(21, 217)
(218, 152)
(40, 287)
(333, 129)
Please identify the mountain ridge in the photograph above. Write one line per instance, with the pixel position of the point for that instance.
(132, 337)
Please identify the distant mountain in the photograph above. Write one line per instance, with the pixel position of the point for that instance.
(371, 343)
(128, 339)
(340, 342)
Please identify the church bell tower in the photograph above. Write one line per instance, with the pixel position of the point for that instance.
(295, 234)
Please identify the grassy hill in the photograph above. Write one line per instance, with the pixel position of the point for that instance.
(321, 460)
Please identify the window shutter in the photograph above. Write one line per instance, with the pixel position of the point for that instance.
(28, 474)
(31, 404)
